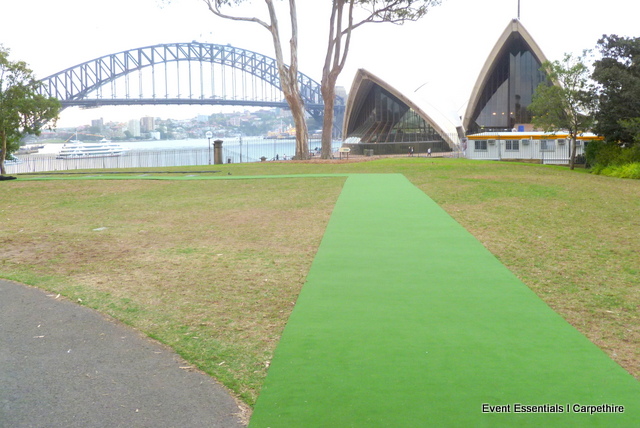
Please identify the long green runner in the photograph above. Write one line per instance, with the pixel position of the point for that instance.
(406, 320)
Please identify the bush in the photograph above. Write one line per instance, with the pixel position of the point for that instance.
(612, 160)
(606, 154)
(630, 170)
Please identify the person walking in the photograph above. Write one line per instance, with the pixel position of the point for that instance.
(429, 152)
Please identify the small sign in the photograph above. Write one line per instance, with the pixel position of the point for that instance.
(344, 150)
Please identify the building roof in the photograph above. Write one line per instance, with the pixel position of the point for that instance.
(514, 27)
(533, 135)
(411, 96)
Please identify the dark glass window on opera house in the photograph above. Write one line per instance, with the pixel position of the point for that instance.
(507, 94)
(383, 119)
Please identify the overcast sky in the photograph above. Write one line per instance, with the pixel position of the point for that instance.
(444, 51)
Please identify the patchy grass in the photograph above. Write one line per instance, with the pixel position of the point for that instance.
(573, 238)
(213, 268)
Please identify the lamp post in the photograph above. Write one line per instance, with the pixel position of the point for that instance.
(209, 135)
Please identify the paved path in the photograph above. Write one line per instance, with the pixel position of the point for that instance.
(64, 365)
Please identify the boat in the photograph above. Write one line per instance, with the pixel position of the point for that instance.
(78, 149)
(281, 133)
(28, 150)
(14, 161)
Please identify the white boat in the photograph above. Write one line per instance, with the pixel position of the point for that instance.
(14, 161)
(79, 149)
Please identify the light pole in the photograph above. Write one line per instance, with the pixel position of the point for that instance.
(209, 135)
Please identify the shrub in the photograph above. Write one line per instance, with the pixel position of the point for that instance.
(630, 170)
(613, 160)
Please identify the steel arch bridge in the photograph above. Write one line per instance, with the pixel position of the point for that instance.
(179, 73)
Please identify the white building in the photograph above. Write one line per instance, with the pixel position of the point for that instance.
(134, 127)
(549, 148)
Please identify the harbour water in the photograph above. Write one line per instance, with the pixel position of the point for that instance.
(165, 153)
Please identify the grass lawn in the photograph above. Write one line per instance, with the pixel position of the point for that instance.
(213, 267)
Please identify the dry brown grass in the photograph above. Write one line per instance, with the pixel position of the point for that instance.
(213, 268)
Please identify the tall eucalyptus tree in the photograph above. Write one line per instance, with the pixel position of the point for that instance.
(346, 16)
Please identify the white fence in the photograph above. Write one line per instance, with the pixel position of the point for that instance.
(549, 151)
(251, 150)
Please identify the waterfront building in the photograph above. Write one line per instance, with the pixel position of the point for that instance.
(381, 118)
(134, 128)
(497, 120)
(386, 115)
(97, 124)
(506, 84)
(147, 124)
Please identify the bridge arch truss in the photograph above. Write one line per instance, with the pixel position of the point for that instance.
(178, 73)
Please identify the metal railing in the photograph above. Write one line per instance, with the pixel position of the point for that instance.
(251, 150)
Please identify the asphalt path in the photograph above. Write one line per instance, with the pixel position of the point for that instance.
(65, 365)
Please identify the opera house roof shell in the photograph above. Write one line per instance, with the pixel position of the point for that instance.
(365, 83)
(377, 107)
(506, 83)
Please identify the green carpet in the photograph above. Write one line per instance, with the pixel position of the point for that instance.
(406, 320)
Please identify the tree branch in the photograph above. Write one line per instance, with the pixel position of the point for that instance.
(395, 12)
(347, 42)
(293, 43)
(332, 38)
(215, 9)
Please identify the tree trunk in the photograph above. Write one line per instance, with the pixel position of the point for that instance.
(572, 157)
(291, 90)
(289, 76)
(3, 155)
(328, 96)
(302, 133)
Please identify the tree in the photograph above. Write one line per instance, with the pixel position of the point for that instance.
(618, 76)
(566, 102)
(341, 25)
(288, 72)
(23, 111)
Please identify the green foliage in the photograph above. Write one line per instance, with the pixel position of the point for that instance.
(607, 158)
(618, 117)
(395, 11)
(630, 170)
(23, 111)
(632, 126)
(568, 103)
(618, 74)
